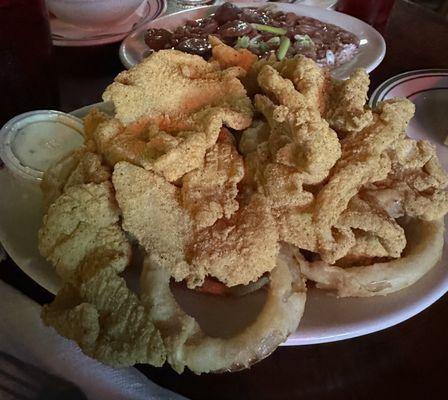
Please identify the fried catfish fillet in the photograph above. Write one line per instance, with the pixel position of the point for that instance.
(309, 79)
(240, 249)
(227, 56)
(82, 221)
(346, 111)
(209, 193)
(170, 85)
(171, 154)
(152, 213)
(299, 137)
(78, 167)
(415, 186)
(423, 251)
(104, 317)
(364, 160)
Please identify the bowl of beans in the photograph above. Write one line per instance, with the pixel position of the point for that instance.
(334, 40)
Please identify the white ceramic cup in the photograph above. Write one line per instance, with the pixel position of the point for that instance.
(92, 13)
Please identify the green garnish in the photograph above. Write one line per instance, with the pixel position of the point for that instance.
(304, 40)
(263, 47)
(275, 41)
(283, 48)
(242, 42)
(268, 28)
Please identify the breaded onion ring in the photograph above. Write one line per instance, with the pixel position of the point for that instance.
(188, 346)
(423, 251)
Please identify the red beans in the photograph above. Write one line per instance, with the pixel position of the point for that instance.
(308, 36)
(199, 46)
(256, 16)
(158, 39)
(227, 12)
(233, 29)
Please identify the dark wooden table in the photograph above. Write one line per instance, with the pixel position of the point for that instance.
(406, 361)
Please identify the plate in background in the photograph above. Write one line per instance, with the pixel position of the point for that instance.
(64, 34)
(371, 51)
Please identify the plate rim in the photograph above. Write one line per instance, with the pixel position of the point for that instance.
(402, 77)
(372, 31)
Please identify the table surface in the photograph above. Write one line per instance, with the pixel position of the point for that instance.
(409, 360)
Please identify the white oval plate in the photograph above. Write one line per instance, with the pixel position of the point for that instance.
(371, 51)
(64, 34)
(326, 318)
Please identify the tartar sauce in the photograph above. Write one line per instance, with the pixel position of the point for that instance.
(39, 144)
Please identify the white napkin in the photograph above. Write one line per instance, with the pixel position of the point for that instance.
(23, 335)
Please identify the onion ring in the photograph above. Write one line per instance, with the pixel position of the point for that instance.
(188, 346)
(424, 250)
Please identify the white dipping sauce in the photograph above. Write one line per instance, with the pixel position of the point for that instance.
(38, 144)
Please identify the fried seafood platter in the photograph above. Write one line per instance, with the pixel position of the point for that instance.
(231, 178)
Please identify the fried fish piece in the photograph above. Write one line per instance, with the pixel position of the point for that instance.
(240, 249)
(296, 227)
(363, 160)
(227, 56)
(77, 167)
(81, 221)
(384, 238)
(171, 154)
(299, 136)
(153, 214)
(416, 183)
(105, 318)
(312, 81)
(169, 85)
(423, 251)
(346, 111)
(209, 193)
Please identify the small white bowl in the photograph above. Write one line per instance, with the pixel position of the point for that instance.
(92, 13)
(31, 142)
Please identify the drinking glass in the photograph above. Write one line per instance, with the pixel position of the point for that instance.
(374, 12)
(27, 78)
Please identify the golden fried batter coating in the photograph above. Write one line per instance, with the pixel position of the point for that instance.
(308, 78)
(299, 136)
(387, 238)
(296, 226)
(283, 186)
(209, 193)
(77, 167)
(170, 85)
(241, 249)
(347, 111)
(106, 319)
(171, 154)
(424, 250)
(227, 56)
(415, 186)
(363, 161)
(153, 215)
(82, 221)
